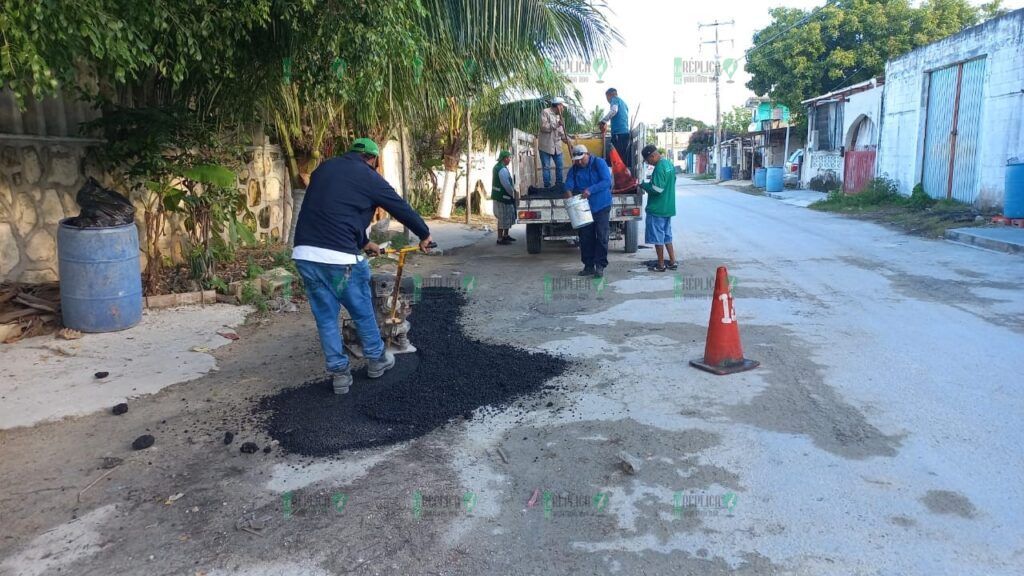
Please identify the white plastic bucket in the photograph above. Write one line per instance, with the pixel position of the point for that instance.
(579, 211)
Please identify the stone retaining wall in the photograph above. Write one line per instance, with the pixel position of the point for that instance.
(39, 177)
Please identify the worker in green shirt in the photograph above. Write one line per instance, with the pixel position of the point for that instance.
(661, 207)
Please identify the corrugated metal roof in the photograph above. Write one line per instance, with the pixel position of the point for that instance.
(847, 91)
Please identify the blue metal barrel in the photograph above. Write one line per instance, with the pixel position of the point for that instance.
(726, 172)
(100, 280)
(759, 177)
(1013, 200)
(773, 179)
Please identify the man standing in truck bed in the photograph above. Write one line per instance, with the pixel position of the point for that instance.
(618, 113)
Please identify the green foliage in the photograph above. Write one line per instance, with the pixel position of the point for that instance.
(253, 270)
(683, 124)
(735, 122)
(217, 283)
(705, 176)
(701, 141)
(803, 54)
(47, 44)
(253, 295)
(919, 200)
(880, 192)
(424, 202)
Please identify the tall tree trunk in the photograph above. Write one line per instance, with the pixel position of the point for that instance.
(451, 169)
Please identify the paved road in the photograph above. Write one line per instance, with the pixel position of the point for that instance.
(882, 434)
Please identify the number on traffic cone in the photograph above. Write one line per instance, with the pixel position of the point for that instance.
(723, 353)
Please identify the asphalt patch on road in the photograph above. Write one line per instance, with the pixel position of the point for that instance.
(450, 376)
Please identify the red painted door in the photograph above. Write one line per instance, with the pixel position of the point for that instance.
(859, 170)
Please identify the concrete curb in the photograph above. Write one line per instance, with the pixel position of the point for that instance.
(982, 238)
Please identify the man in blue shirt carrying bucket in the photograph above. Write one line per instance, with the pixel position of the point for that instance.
(591, 178)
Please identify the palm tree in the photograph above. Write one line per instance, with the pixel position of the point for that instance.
(503, 45)
(427, 64)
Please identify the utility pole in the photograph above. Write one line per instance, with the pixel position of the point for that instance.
(718, 97)
(672, 146)
(469, 161)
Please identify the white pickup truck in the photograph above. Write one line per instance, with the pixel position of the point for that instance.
(546, 217)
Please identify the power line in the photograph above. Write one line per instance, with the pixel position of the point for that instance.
(718, 99)
(799, 22)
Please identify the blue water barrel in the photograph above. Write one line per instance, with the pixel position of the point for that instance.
(100, 280)
(1013, 201)
(691, 163)
(773, 179)
(759, 177)
(726, 172)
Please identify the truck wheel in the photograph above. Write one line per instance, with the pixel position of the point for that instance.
(632, 235)
(534, 238)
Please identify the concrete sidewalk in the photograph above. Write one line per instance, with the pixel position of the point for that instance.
(450, 234)
(802, 198)
(1000, 239)
(45, 378)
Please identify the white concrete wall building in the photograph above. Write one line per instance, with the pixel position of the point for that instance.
(953, 113)
(851, 116)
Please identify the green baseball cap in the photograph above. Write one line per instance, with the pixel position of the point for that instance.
(504, 154)
(366, 146)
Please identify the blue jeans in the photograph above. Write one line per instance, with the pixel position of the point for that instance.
(594, 240)
(329, 287)
(545, 162)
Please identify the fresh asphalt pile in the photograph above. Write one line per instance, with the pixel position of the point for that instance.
(450, 376)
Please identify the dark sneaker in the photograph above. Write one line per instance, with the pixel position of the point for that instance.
(672, 265)
(378, 367)
(657, 268)
(342, 381)
(587, 271)
(599, 272)
(504, 242)
(510, 239)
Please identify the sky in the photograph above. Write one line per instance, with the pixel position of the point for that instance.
(655, 32)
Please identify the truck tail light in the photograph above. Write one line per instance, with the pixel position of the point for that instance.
(529, 215)
(794, 168)
(629, 211)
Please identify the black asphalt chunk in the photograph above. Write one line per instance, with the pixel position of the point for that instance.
(101, 375)
(228, 437)
(249, 448)
(143, 442)
(119, 409)
(450, 376)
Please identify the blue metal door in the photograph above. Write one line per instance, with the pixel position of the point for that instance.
(968, 128)
(952, 126)
(938, 128)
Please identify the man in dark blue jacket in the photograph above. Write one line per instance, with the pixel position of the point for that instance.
(330, 238)
(591, 178)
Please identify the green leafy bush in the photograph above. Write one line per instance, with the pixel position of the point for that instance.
(919, 200)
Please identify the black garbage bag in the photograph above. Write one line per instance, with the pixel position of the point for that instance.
(555, 191)
(101, 207)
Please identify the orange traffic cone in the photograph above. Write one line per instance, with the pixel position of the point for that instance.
(723, 353)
